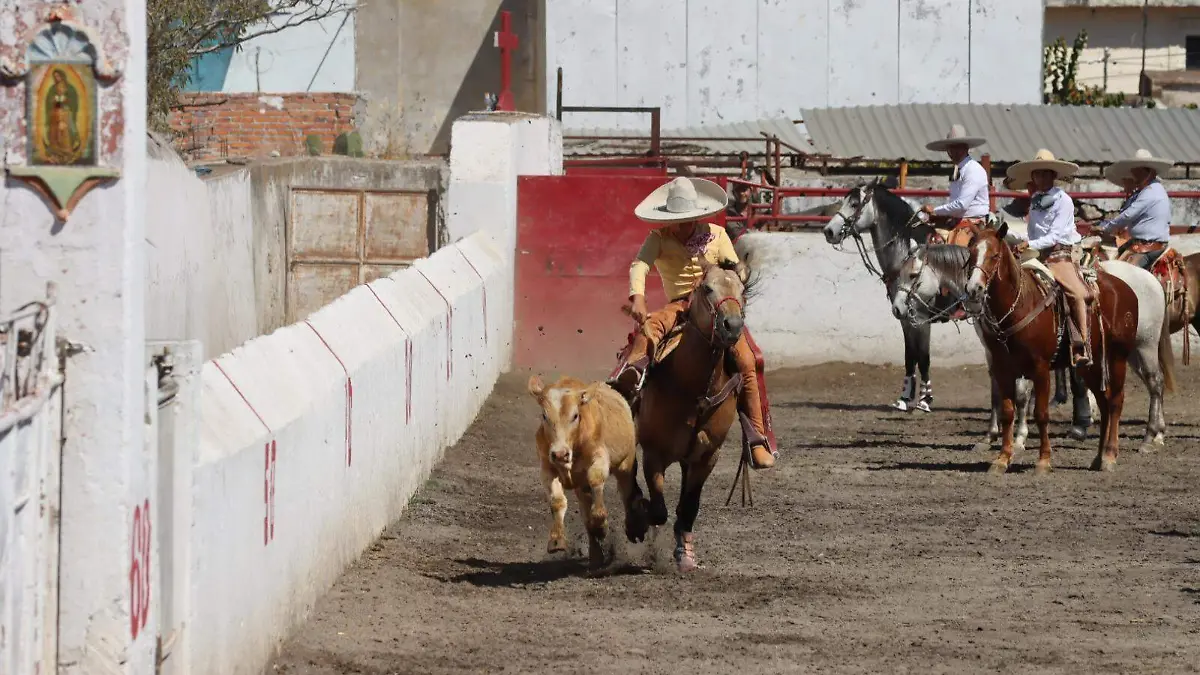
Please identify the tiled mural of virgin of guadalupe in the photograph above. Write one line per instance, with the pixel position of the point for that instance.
(60, 69)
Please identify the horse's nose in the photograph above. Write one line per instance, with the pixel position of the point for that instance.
(732, 324)
(828, 235)
(896, 309)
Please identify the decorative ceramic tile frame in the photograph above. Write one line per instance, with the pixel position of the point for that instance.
(64, 43)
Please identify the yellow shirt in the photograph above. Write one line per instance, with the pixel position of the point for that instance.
(678, 269)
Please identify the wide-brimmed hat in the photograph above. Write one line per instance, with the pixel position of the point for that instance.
(681, 200)
(1021, 172)
(1121, 169)
(956, 136)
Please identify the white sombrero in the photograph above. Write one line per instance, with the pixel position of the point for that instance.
(1119, 170)
(957, 136)
(681, 200)
(1021, 172)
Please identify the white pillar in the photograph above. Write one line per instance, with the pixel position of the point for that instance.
(96, 258)
(488, 152)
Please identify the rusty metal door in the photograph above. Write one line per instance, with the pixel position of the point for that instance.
(338, 239)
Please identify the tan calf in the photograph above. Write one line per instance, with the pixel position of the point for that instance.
(586, 433)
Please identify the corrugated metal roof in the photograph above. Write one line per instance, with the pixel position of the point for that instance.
(1014, 132)
(784, 128)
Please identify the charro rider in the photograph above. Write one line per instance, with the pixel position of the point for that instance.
(1147, 210)
(675, 248)
(1052, 233)
(968, 185)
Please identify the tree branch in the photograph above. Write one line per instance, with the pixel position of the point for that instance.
(312, 12)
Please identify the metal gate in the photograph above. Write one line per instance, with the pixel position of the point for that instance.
(30, 471)
(338, 239)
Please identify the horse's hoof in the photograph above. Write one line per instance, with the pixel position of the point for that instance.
(637, 522)
(556, 545)
(1078, 433)
(1042, 468)
(685, 553)
(997, 468)
(1104, 465)
(982, 446)
(1147, 448)
(596, 555)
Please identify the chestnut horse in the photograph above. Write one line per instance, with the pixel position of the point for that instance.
(689, 400)
(1024, 340)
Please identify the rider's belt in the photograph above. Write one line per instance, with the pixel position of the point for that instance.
(1144, 245)
(1060, 252)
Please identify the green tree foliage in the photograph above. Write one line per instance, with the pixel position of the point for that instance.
(1061, 69)
(178, 31)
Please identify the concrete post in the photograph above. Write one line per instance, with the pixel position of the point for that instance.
(107, 623)
(488, 152)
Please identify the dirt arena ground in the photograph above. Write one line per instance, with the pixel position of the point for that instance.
(876, 545)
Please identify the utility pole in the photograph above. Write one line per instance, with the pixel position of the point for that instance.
(1143, 85)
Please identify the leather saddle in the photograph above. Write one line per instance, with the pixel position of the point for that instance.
(1064, 317)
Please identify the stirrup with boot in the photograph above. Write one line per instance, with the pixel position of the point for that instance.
(755, 445)
(628, 382)
(1081, 344)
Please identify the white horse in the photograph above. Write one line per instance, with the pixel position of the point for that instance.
(930, 269)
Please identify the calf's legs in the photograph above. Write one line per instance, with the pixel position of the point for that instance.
(558, 510)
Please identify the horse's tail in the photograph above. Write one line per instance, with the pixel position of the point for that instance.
(1166, 355)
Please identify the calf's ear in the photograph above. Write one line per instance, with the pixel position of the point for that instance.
(536, 388)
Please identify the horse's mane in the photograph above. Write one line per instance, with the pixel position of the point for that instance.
(898, 211)
(949, 262)
(750, 287)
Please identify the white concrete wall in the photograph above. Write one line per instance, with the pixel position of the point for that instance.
(709, 62)
(843, 313)
(200, 256)
(249, 588)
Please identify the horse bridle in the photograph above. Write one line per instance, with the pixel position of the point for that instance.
(849, 228)
(990, 322)
(910, 290)
(713, 308)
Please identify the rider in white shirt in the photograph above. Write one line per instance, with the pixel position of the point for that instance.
(1053, 234)
(968, 188)
(1146, 213)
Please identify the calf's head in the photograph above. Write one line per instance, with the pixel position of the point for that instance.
(564, 416)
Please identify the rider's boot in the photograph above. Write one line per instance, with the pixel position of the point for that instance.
(754, 430)
(632, 372)
(1082, 350)
(908, 393)
(926, 399)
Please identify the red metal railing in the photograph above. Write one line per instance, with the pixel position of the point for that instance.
(774, 213)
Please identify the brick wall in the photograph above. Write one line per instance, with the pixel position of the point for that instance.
(212, 125)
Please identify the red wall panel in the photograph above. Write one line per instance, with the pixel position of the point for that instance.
(576, 236)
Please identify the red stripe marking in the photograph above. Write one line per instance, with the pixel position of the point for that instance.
(449, 326)
(484, 289)
(244, 399)
(349, 393)
(408, 352)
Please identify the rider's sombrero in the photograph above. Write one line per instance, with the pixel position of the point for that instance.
(1119, 170)
(956, 136)
(1020, 173)
(681, 200)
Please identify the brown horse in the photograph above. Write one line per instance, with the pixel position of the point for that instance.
(689, 402)
(1025, 340)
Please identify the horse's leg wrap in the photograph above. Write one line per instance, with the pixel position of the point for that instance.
(685, 551)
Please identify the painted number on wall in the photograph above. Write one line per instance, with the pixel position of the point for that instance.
(269, 492)
(139, 569)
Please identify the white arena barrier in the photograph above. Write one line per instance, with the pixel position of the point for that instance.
(313, 439)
